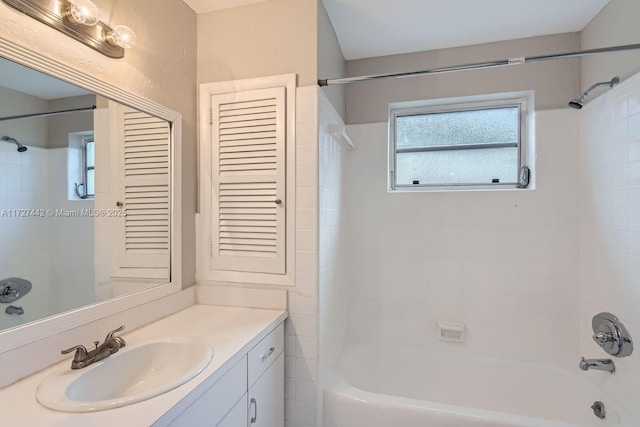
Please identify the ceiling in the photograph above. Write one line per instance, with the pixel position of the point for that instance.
(26, 80)
(369, 28)
(204, 6)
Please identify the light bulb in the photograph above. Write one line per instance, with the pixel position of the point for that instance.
(122, 36)
(83, 12)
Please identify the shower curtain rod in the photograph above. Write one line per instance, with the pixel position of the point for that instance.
(479, 65)
(52, 113)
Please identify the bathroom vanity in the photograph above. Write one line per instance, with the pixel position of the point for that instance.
(242, 385)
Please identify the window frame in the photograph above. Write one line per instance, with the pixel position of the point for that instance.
(521, 100)
(84, 164)
(86, 168)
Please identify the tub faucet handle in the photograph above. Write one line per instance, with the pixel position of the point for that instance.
(611, 335)
(603, 338)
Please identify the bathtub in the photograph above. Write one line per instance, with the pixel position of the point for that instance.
(391, 387)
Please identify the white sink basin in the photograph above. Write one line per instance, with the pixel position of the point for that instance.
(131, 375)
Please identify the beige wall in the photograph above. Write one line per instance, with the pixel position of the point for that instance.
(31, 132)
(161, 67)
(61, 126)
(262, 39)
(616, 24)
(331, 63)
(554, 82)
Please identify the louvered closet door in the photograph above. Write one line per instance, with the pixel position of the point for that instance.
(248, 181)
(143, 234)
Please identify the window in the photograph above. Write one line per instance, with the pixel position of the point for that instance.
(89, 167)
(86, 188)
(448, 144)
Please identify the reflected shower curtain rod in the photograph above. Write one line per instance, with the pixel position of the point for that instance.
(51, 113)
(479, 65)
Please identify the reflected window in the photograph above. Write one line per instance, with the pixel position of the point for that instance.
(82, 165)
(89, 168)
(453, 145)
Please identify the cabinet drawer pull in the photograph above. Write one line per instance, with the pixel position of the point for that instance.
(254, 403)
(266, 356)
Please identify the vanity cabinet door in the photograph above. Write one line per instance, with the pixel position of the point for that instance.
(238, 415)
(266, 397)
(213, 405)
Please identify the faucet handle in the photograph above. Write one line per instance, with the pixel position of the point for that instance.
(110, 336)
(81, 352)
(603, 337)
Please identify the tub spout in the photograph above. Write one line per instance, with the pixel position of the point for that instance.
(598, 364)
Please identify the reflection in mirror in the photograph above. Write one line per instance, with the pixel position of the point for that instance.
(84, 197)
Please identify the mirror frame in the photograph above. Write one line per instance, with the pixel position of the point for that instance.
(19, 336)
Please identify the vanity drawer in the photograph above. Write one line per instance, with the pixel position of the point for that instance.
(264, 353)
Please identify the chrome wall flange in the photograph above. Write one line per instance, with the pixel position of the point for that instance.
(611, 335)
(13, 288)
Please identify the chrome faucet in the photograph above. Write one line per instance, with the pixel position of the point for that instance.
(598, 364)
(83, 358)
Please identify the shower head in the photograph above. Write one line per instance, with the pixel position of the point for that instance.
(21, 148)
(578, 102)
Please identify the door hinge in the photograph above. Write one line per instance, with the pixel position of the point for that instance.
(210, 116)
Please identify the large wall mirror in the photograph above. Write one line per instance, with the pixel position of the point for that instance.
(86, 200)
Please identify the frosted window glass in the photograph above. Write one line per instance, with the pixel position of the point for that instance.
(479, 145)
(476, 166)
(91, 182)
(91, 154)
(496, 125)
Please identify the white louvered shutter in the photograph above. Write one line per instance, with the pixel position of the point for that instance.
(248, 181)
(143, 234)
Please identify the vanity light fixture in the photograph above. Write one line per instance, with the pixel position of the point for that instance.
(79, 19)
(83, 12)
(122, 36)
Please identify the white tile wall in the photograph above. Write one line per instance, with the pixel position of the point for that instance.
(332, 281)
(504, 263)
(71, 239)
(24, 251)
(49, 251)
(610, 227)
(301, 331)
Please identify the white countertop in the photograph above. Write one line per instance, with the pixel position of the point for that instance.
(230, 332)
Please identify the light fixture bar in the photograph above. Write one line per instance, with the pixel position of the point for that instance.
(52, 13)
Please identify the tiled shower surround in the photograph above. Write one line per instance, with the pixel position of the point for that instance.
(301, 328)
(31, 183)
(317, 303)
(525, 271)
(504, 263)
(610, 227)
(24, 251)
